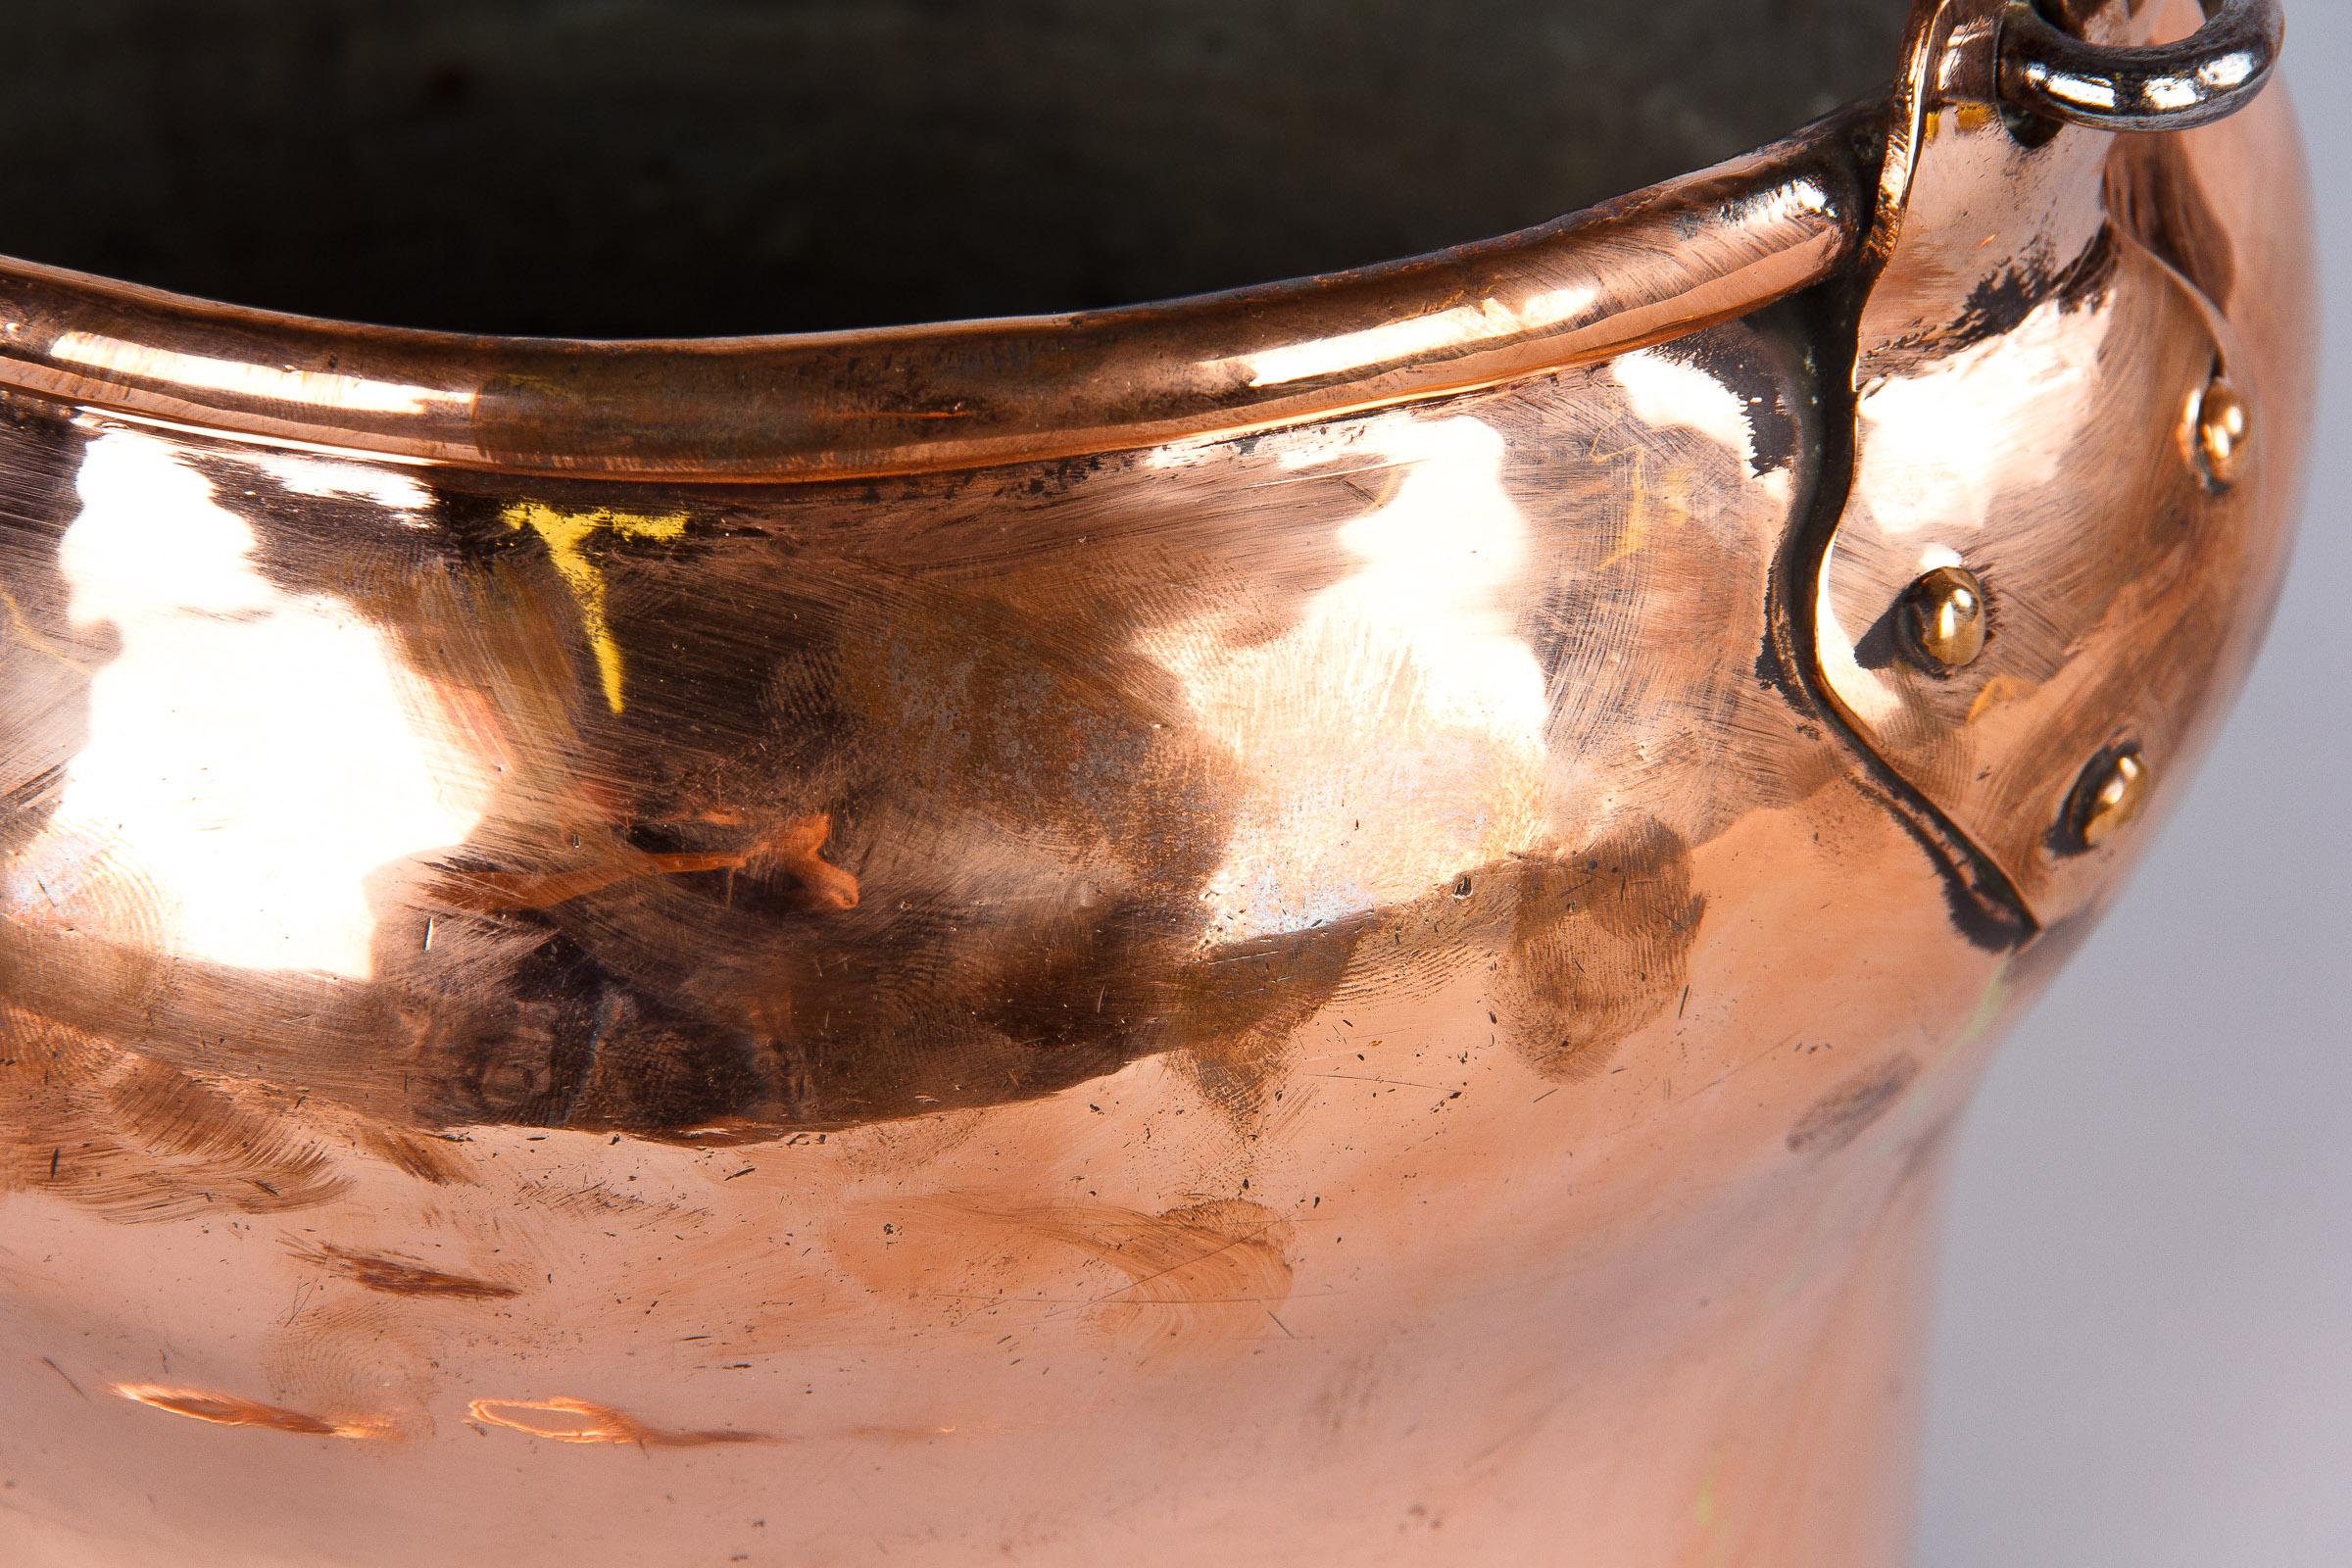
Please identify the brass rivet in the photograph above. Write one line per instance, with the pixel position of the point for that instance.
(1944, 617)
(2225, 429)
(2108, 795)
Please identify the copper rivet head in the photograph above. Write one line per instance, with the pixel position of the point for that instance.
(2225, 428)
(1943, 619)
(2109, 795)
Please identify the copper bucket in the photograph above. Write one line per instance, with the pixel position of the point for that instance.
(1333, 922)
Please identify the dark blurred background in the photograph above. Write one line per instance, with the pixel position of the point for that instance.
(633, 168)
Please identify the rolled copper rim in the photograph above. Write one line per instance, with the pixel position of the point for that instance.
(1586, 287)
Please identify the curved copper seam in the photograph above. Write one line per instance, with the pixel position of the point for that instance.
(1632, 273)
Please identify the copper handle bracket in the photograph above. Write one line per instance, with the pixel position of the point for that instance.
(2051, 74)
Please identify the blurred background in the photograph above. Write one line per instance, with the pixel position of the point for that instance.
(2143, 1354)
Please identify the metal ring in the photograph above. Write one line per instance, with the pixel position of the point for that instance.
(2047, 71)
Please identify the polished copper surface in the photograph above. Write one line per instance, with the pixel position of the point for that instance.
(1594, 285)
(1321, 925)
(2031, 365)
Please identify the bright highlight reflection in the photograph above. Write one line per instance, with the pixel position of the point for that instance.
(1922, 471)
(1393, 735)
(319, 389)
(253, 754)
(1392, 341)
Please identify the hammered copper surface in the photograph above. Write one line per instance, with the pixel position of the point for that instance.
(1374, 979)
(2031, 369)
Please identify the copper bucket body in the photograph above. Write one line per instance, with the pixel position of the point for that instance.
(1336, 924)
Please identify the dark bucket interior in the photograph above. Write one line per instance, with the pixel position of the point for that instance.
(626, 167)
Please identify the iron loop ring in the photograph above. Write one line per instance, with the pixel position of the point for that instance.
(2049, 73)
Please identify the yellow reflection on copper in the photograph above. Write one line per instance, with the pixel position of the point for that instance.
(566, 533)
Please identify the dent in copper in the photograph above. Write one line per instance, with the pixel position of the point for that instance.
(1370, 989)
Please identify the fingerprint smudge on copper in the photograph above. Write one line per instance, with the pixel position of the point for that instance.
(1840, 1116)
(427, 1156)
(399, 1277)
